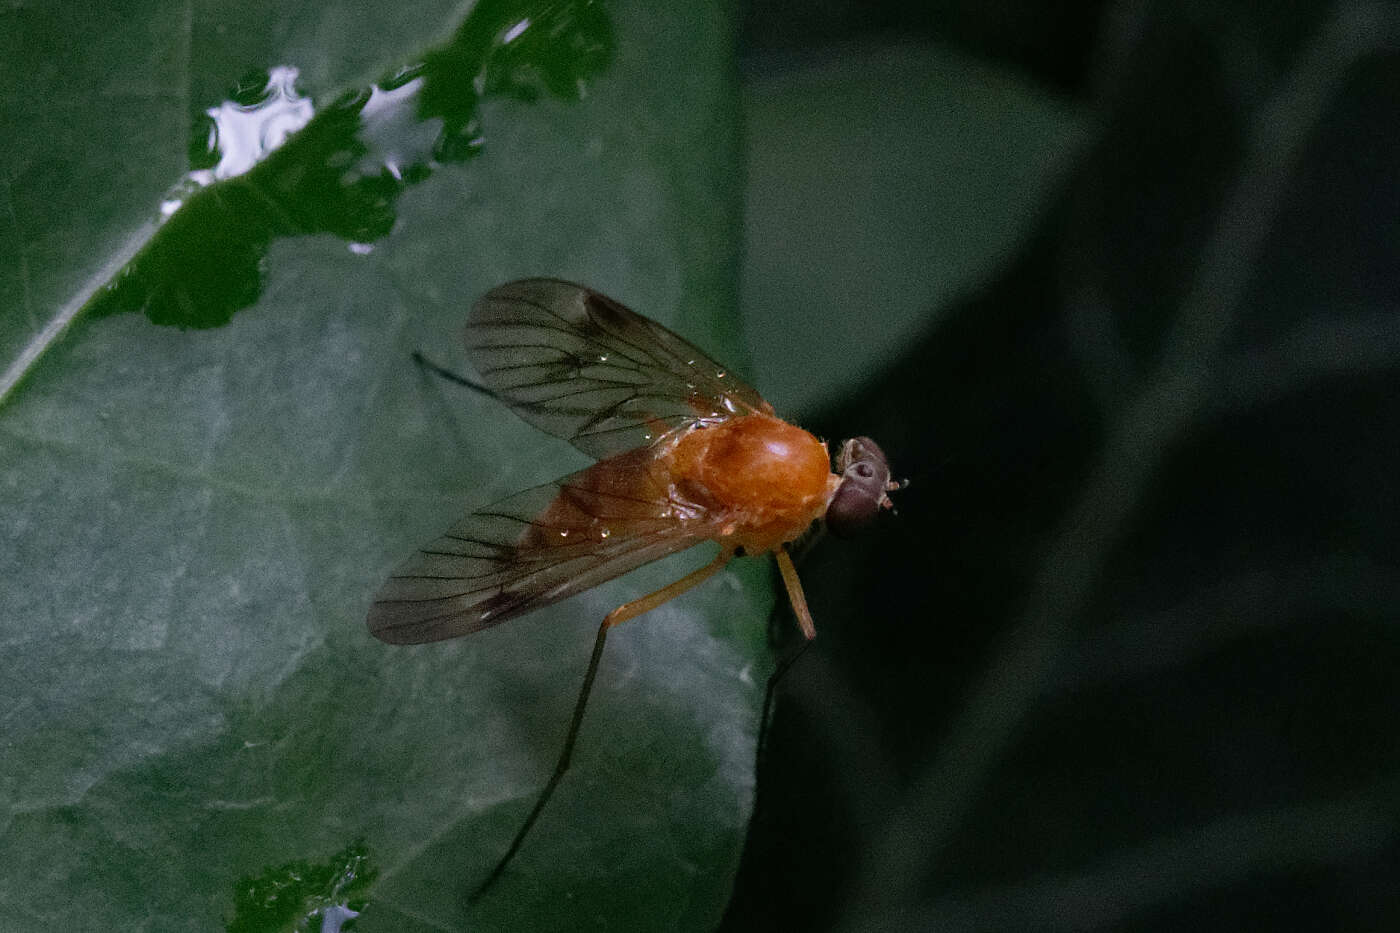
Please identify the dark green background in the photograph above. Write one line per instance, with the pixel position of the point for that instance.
(1114, 285)
(1126, 659)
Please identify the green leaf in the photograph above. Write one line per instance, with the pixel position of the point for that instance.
(195, 517)
(883, 184)
(303, 895)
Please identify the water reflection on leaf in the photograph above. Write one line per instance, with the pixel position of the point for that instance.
(305, 896)
(263, 166)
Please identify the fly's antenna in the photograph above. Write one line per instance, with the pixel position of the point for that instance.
(450, 376)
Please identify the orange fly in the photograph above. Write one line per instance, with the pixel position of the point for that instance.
(686, 453)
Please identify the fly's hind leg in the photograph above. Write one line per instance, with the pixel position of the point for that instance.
(628, 610)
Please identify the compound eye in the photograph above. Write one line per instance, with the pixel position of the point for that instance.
(865, 480)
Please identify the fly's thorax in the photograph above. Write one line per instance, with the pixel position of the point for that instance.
(768, 477)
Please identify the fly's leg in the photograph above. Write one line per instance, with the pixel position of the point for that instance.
(619, 615)
(804, 621)
(764, 720)
(795, 594)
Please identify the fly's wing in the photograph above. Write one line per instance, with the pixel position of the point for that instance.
(579, 365)
(536, 548)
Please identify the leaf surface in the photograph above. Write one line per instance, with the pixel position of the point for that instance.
(199, 506)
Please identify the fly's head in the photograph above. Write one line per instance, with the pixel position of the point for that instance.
(865, 487)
